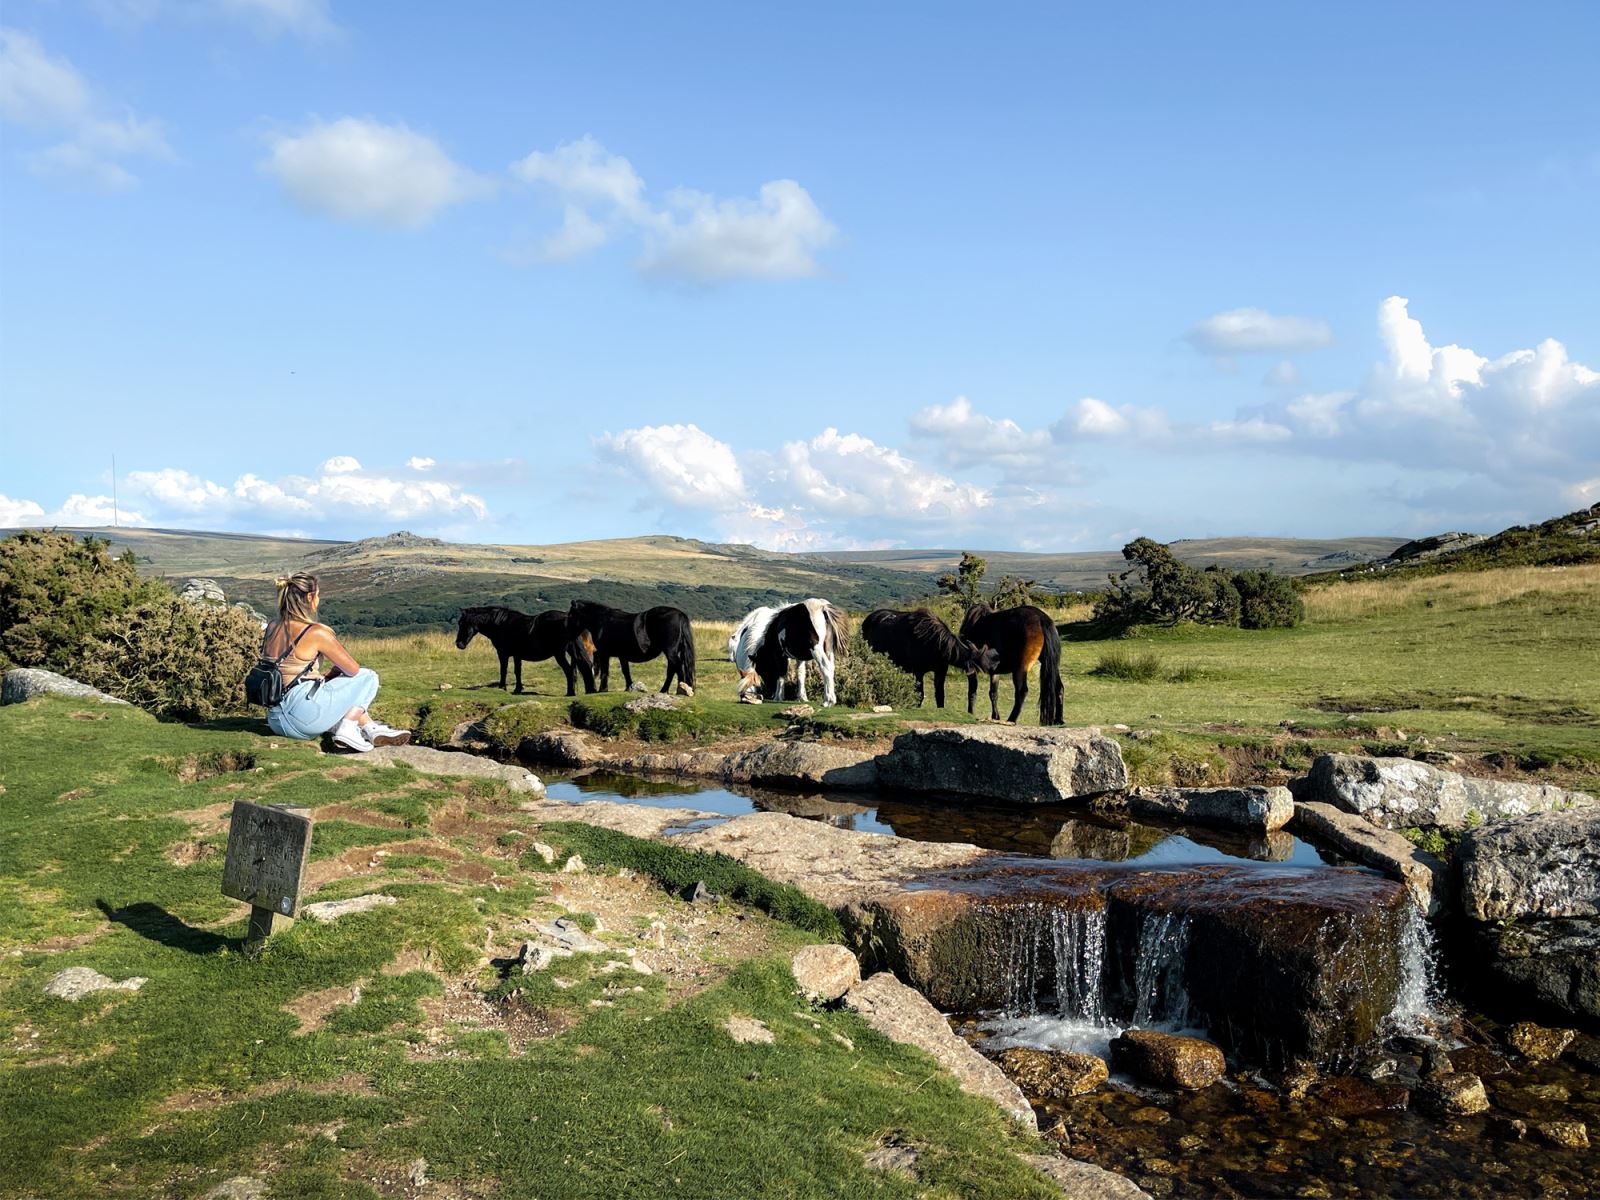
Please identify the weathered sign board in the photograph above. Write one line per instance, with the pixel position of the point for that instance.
(266, 860)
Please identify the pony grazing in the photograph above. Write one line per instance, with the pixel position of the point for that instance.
(1020, 637)
(919, 642)
(765, 641)
(517, 636)
(603, 633)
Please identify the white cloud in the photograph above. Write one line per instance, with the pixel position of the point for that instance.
(47, 96)
(1283, 374)
(418, 463)
(1253, 330)
(846, 474)
(341, 491)
(690, 235)
(308, 19)
(967, 438)
(1096, 419)
(78, 510)
(359, 169)
(682, 463)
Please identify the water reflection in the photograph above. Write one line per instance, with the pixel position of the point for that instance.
(1054, 831)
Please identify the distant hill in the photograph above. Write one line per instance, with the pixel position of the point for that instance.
(403, 581)
(1560, 541)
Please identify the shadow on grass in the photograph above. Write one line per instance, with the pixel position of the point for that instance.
(156, 923)
(254, 724)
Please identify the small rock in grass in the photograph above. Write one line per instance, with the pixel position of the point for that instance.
(573, 865)
(796, 711)
(332, 910)
(749, 698)
(545, 852)
(535, 956)
(1537, 1043)
(445, 687)
(417, 1172)
(825, 973)
(1569, 1135)
(883, 708)
(747, 1030)
(74, 983)
(700, 894)
(240, 1187)
(894, 1155)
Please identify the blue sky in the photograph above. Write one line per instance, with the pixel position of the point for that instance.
(1012, 276)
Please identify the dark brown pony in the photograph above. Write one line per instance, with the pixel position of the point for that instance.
(604, 633)
(919, 642)
(1021, 636)
(517, 636)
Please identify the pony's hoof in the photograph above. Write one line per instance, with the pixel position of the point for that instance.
(685, 690)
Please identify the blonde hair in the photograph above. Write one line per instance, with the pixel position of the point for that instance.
(296, 597)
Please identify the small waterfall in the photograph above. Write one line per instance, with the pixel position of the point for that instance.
(1414, 1008)
(1080, 955)
(1159, 994)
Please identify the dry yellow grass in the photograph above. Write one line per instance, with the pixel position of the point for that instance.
(1465, 589)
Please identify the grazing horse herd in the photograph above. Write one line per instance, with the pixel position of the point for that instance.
(584, 638)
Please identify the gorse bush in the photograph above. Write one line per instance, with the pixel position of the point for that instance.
(1268, 601)
(864, 678)
(1173, 591)
(175, 658)
(57, 593)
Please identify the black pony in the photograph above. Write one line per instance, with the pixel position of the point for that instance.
(1021, 636)
(518, 636)
(604, 633)
(919, 642)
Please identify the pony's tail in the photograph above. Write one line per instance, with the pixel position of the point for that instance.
(838, 629)
(686, 671)
(1051, 706)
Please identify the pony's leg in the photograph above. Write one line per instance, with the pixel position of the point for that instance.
(800, 669)
(666, 684)
(921, 695)
(994, 697)
(605, 673)
(829, 696)
(565, 664)
(504, 659)
(518, 661)
(627, 676)
(972, 693)
(1019, 685)
(938, 688)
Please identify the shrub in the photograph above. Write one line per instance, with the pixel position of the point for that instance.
(864, 678)
(174, 658)
(1268, 601)
(1124, 664)
(56, 594)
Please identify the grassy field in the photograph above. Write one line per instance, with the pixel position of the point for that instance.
(1482, 662)
(348, 1051)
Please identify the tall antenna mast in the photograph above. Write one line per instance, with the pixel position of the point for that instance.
(115, 521)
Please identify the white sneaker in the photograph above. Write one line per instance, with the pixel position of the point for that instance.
(380, 734)
(347, 735)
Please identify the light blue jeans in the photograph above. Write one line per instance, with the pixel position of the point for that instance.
(311, 709)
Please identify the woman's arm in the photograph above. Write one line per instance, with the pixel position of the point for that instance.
(330, 648)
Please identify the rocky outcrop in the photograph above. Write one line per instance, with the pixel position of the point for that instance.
(1545, 865)
(1398, 793)
(24, 683)
(202, 591)
(1555, 962)
(1426, 878)
(1254, 809)
(1168, 1060)
(902, 1014)
(1053, 1074)
(825, 972)
(443, 762)
(796, 763)
(1025, 766)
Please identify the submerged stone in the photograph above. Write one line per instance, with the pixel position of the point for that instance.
(1457, 1094)
(1537, 1042)
(1351, 1097)
(1022, 766)
(1168, 1060)
(1053, 1074)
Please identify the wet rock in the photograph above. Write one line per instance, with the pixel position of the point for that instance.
(24, 683)
(1397, 793)
(1480, 1060)
(332, 910)
(1052, 1074)
(1168, 1060)
(1511, 1128)
(1538, 1042)
(1569, 1135)
(1556, 962)
(1256, 809)
(903, 1015)
(786, 763)
(442, 762)
(1007, 763)
(824, 973)
(1351, 1097)
(1585, 1049)
(1085, 1181)
(74, 983)
(1149, 1115)
(1458, 1094)
(1544, 865)
(748, 1031)
(1427, 879)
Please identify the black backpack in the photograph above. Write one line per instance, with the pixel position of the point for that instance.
(264, 684)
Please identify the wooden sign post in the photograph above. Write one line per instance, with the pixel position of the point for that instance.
(267, 852)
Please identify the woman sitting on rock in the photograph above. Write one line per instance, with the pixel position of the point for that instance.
(313, 704)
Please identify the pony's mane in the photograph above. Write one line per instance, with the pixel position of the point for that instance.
(490, 616)
(592, 608)
(928, 627)
(751, 633)
(835, 629)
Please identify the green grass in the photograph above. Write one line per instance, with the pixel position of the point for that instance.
(203, 1075)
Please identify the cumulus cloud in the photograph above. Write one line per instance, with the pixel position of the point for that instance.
(682, 463)
(88, 139)
(966, 438)
(341, 491)
(1092, 418)
(1283, 374)
(689, 235)
(310, 20)
(849, 475)
(418, 463)
(77, 510)
(1255, 331)
(362, 170)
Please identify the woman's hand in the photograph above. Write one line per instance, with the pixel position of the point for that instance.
(330, 648)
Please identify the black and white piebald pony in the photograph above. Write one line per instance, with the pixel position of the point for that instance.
(765, 641)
